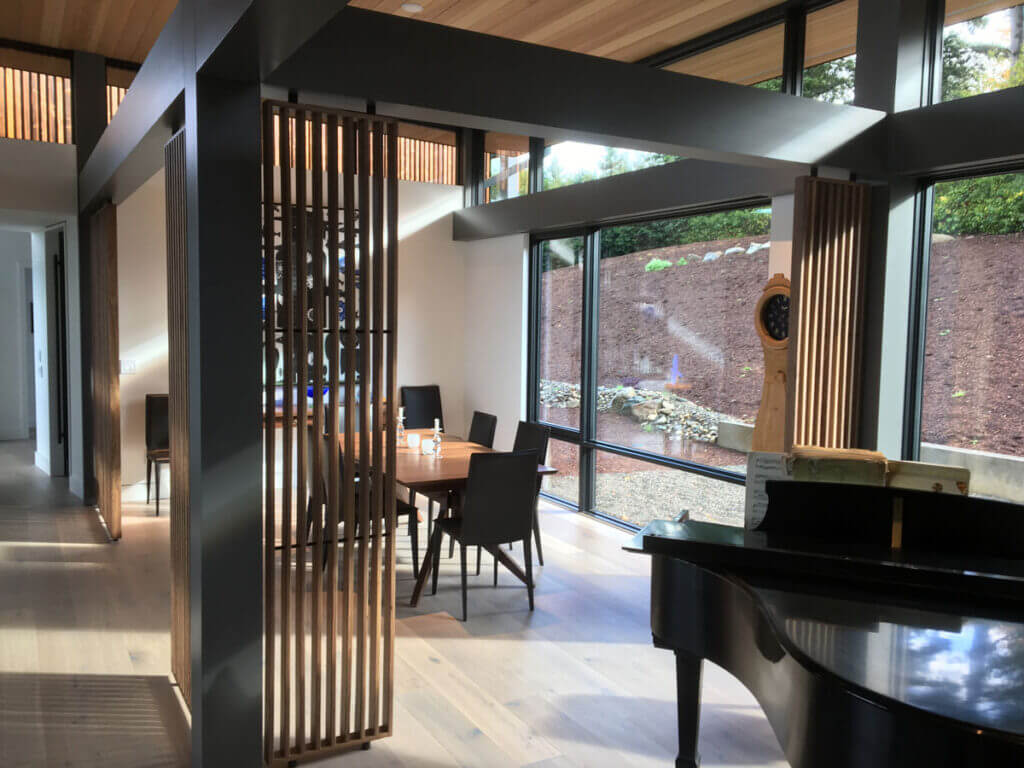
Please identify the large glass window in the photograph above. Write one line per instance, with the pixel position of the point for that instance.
(973, 369)
(750, 60)
(830, 53)
(981, 47)
(506, 166)
(573, 162)
(565, 457)
(639, 491)
(559, 331)
(679, 361)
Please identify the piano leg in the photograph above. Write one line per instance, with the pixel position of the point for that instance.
(688, 674)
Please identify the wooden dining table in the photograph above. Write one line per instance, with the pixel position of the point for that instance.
(423, 473)
(448, 472)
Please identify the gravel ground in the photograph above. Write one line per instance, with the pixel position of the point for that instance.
(659, 494)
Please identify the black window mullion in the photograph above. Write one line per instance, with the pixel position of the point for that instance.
(588, 373)
(536, 177)
(914, 381)
(533, 335)
(793, 50)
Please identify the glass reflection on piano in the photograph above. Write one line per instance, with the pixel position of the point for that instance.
(971, 669)
(640, 491)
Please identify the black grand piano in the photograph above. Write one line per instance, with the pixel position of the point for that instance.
(859, 654)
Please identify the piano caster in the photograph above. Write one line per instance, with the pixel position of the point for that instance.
(688, 675)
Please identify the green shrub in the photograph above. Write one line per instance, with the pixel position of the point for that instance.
(682, 262)
(985, 205)
(656, 265)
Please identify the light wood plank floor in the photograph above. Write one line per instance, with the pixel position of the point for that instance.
(84, 653)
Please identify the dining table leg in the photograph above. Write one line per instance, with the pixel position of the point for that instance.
(427, 564)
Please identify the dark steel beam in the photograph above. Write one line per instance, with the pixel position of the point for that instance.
(968, 134)
(510, 86)
(663, 189)
(142, 125)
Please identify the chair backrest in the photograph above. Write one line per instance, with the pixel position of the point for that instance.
(422, 405)
(158, 430)
(500, 494)
(481, 429)
(532, 437)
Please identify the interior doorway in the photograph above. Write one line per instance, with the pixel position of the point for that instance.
(57, 346)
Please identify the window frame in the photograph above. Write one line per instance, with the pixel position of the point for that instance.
(917, 305)
(585, 437)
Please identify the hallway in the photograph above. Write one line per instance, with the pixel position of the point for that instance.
(84, 630)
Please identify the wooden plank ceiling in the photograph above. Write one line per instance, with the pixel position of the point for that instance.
(117, 29)
(626, 30)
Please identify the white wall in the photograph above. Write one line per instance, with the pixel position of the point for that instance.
(38, 176)
(495, 335)
(41, 279)
(431, 288)
(142, 321)
(16, 414)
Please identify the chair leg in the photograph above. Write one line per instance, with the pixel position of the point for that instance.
(414, 540)
(158, 490)
(149, 472)
(528, 555)
(496, 571)
(536, 535)
(478, 548)
(462, 552)
(451, 547)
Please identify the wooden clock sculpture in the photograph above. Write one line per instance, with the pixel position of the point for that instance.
(771, 319)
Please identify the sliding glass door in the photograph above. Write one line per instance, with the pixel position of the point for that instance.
(646, 364)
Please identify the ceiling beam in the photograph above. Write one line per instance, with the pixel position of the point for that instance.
(663, 190)
(957, 135)
(146, 115)
(464, 78)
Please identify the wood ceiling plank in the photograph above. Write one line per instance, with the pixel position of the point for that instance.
(626, 30)
(119, 29)
(746, 61)
(831, 33)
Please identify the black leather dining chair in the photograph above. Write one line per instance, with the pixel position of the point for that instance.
(158, 440)
(318, 498)
(497, 507)
(481, 431)
(534, 437)
(422, 405)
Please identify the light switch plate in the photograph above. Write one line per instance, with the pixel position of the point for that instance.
(127, 367)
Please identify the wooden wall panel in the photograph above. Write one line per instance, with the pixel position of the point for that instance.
(106, 385)
(330, 272)
(177, 364)
(830, 232)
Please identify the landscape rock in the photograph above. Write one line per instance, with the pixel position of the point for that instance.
(733, 251)
(755, 247)
(712, 255)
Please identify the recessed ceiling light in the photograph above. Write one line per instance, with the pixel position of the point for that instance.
(412, 7)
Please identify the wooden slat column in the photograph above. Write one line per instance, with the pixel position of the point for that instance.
(330, 290)
(106, 385)
(178, 404)
(830, 235)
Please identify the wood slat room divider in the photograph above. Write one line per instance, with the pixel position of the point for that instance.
(106, 366)
(830, 232)
(178, 404)
(330, 251)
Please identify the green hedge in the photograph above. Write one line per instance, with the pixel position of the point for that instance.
(986, 205)
(630, 238)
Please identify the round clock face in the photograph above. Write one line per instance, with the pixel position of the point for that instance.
(775, 317)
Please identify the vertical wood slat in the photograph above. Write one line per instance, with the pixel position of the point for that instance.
(178, 404)
(333, 449)
(376, 395)
(287, 328)
(319, 481)
(828, 272)
(302, 376)
(269, 441)
(389, 422)
(362, 324)
(33, 105)
(349, 477)
(341, 695)
(106, 388)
